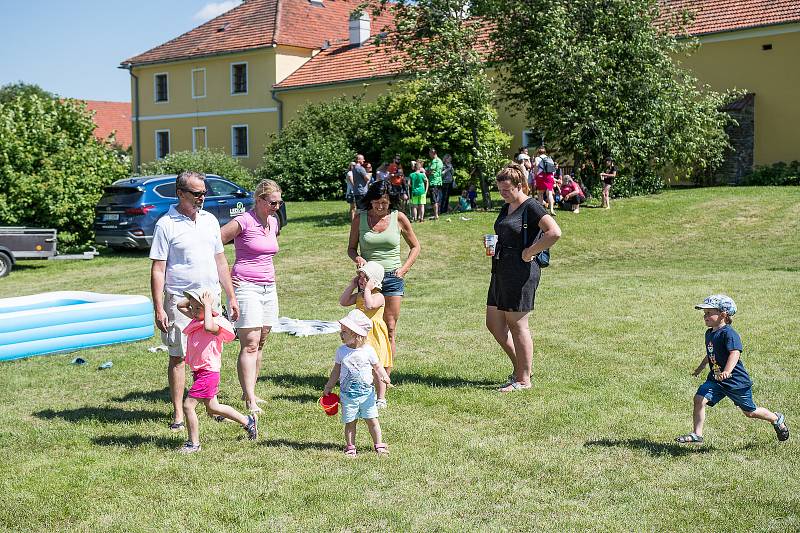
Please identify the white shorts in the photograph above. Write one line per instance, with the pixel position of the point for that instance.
(258, 305)
(174, 338)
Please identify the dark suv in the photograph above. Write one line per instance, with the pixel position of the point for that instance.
(126, 215)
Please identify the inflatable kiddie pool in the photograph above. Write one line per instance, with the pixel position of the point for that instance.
(70, 320)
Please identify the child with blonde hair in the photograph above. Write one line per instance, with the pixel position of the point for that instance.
(354, 365)
(727, 376)
(205, 334)
(364, 291)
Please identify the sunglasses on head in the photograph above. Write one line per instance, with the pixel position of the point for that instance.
(196, 194)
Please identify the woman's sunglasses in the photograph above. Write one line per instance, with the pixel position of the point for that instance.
(277, 203)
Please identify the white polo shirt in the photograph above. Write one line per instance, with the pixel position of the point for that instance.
(188, 246)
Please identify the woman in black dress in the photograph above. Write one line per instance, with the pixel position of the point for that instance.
(515, 272)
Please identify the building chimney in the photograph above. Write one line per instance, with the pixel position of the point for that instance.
(359, 28)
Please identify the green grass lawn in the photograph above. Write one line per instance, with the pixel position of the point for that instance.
(589, 447)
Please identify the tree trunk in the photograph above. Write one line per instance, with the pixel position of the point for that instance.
(487, 199)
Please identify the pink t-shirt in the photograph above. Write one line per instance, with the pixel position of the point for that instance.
(204, 349)
(255, 245)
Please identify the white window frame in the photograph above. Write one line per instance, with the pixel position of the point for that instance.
(247, 78)
(195, 96)
(169, 143)
(155, 87)
(194, 139)
(247, 140)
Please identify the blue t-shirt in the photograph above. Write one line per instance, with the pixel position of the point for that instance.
(719, 345)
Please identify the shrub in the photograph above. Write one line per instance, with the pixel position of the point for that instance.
(776, 174)
(52, 169)
(206, 161)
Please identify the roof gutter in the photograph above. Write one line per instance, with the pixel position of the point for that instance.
(136, 135)
(127, 64)
(362, 81)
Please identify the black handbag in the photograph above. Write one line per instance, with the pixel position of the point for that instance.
(543, 257)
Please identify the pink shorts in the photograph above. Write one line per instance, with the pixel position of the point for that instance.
(206, 384)
(544, 182)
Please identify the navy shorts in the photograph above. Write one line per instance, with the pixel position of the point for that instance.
(392, 285)
(714, 392)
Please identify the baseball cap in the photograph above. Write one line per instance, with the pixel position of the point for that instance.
(357, 322)
(719, 301)
(374, 271)
(523, 157)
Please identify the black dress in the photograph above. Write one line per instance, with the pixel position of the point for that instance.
(514, 281)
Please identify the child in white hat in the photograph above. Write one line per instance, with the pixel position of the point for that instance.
(354, 363)
(364, 291)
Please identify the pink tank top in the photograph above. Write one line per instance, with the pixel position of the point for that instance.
(255, 246)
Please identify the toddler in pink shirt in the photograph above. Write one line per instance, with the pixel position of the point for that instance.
(205, 335)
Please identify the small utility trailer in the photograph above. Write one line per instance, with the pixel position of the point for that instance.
(25, 243)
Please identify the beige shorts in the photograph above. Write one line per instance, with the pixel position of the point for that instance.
(174, 338)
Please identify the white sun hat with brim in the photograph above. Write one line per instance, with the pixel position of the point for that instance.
(357, 322)
(374, 271)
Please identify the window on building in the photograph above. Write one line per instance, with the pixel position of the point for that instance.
(199, 83)
(239, 78)
(199, 139)
(162, 143)
(532, 139)
(239, 141)
(161, 88)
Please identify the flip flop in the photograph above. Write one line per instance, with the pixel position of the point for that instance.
(177, 426)
(350, 450)
(381, 449)
(689, 438)
(514, 386)
(781, 429)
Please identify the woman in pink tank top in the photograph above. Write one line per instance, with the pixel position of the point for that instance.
(255, 238)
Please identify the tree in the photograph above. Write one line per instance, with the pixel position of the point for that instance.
(11, 91)
(205, 161)
(52, 169)
(440, 42)
(597, 78)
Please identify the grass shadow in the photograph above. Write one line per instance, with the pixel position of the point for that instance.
(136, 441)
(406, 378)
(106, 415)
(298, 398)
(21, 267)
(653, 448)
(300, 446)
(327, 219)
(150, 396)
(293, 380)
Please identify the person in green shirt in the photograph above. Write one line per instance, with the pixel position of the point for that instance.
(435, 178)
(418, 182)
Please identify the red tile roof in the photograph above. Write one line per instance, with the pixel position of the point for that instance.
(716, 16)
(259, 24)
(349, 63)
(112, 117)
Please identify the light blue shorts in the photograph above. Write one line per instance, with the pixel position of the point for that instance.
(358, 405)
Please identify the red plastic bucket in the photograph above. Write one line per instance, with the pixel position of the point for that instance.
(330, 403)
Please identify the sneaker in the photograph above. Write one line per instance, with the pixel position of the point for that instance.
(252, 427)
(189, 447)
(381, 404)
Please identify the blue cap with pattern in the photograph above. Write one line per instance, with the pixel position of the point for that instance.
(719, 301)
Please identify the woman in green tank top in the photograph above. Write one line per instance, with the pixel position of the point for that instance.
(375, 236)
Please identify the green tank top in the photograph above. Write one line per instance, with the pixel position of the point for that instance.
(383, 247)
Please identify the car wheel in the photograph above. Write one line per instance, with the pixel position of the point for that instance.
(5, 265)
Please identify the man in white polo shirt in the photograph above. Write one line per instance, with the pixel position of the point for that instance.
(187, 253)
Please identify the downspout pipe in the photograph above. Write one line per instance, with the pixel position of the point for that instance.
(280, 109)
(136, 132)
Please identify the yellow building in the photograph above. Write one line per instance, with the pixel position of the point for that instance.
(233, 80)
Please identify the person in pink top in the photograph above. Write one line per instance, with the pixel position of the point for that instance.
(204, 337)
(255, 238)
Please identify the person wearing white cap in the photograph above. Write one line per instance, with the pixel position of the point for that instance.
(364, 291)
(727, 376)
(353, 368)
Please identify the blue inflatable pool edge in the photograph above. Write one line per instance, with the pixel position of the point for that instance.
(63, 321)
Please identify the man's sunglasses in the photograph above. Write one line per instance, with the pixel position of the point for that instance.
(196, 194)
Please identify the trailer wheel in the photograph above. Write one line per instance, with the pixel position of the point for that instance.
(5, 264)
